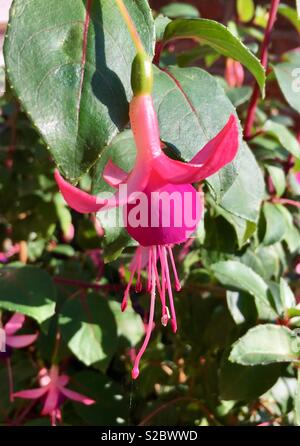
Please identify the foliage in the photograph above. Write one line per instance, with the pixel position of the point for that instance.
(235, 358)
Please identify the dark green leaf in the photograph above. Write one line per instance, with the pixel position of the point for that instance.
(275, 224)
(28, 290)
(219, 37)
(111, 408)
(76, 91)
(89, 328)
(238, 382)
(238, 276)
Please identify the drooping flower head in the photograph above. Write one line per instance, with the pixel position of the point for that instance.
(54, 392)
(161, 207)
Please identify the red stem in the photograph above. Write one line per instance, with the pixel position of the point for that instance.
(264, 61)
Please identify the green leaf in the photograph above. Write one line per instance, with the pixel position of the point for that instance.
(275, 224)
(242, 309)
(111, 407)
(246, 9)
(88, 327)
(277, 175)
(235, 275)
(178, 9)
(130, 324)
(292, 235)
(286, 294)
(27, 290)
(238, 382)
(288, 77)
(266, 344)
(192, 108)
(243, 228)
(75, 89)
(243, 198)
(283, 135)
(160, 24)
(290, 14)
(216, 35)
(122, 152)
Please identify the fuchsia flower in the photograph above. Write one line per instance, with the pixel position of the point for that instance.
(8, 341)
(15, 324)
(234, 73)
(155, 174)
(53, 390)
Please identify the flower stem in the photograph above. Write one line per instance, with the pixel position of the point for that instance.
(264, 61)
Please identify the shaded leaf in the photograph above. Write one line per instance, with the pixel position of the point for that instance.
(27, 290)
(266, 344)
(89, 328)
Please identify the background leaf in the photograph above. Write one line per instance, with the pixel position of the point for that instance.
(288, 75)
(265, 344)
(28, 290)
(89, 328)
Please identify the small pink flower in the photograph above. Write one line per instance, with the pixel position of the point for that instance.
(234, 73)
(10, 341)
(53, 389)
(15, 324)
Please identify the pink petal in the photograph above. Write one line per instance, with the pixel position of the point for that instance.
(21, 341)
(218, 152)
(77, 199)
(114, 175)
(63, 380)
(32, 394)
(51, 402)
(75, 396)
(14, 324)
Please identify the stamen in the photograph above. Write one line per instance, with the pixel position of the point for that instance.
(126, 292)
(138, 286)
(167, 274)
(156, 271)
(177, 281)
(135, 370)
(165, 311)
(149, 269)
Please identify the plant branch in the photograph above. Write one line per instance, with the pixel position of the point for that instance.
(264, 61)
